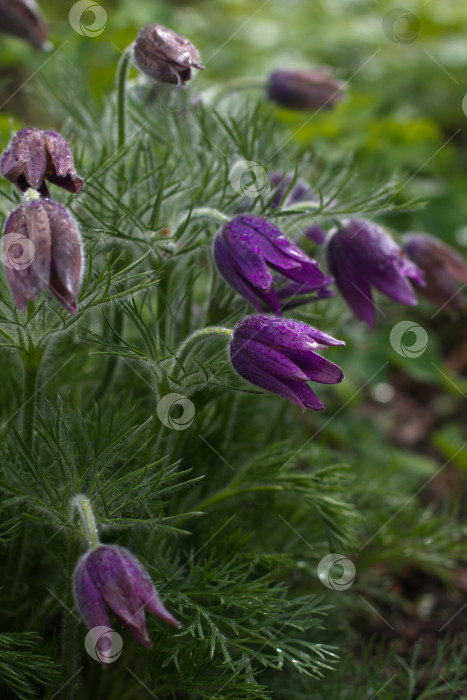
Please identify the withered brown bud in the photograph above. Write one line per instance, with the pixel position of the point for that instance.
(42, 250)
(443, 268)
(309, 89)
(22, 18)
(165, 55)
(33, 156)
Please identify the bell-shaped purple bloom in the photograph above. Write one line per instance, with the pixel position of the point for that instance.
(280, 355)
(361, 256)
(443, 268)
(110, 577)
(33, 156)
(42, 250)
(249, 249)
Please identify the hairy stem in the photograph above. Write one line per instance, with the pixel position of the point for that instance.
(188, 344)
(31, 369)
(88, 523)
(122, 72)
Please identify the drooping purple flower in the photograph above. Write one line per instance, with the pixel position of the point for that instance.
(42, 250)
(280, 355)
(304, 89)
(22, 18)
(443, 268)
(33, 156)
(249, 249)
(165, 56)
(361, 256)
(110, 576)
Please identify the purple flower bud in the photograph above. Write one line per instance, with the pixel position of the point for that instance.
(111, 576)
(165, 55)
(282, 182)
(315, 233)
(249, 248)
(360, 256)
(308, 89)
(22, 18)
(442, 267)
(33, 156)
(279, 355)
(42, 249)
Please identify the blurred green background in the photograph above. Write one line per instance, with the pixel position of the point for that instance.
(405, 69)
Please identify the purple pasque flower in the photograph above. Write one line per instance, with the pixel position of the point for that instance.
(443, 268)
(249, 249)
(42, 250)
(280, 355)
(109, 576)
(361, 256)
(33, 156)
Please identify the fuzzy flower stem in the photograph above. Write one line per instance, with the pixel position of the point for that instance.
(122, 72)
(31, 370)
(239, 84)
(186, 347)
(88, 523)
(208, 213)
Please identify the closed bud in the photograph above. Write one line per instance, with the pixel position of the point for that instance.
(308, 89)
(33, 156)
(164, 55)
(22, 18)
(42, 250)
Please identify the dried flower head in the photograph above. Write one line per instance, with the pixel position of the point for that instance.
(33, 156)
(164, 55)
(42, 250)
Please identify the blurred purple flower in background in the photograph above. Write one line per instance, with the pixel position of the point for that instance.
(111, 576)
(279, 355)
(33, 156)
(249, 248)
(443, 268)
(360, 256)
(304, 89)
(22, 18)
